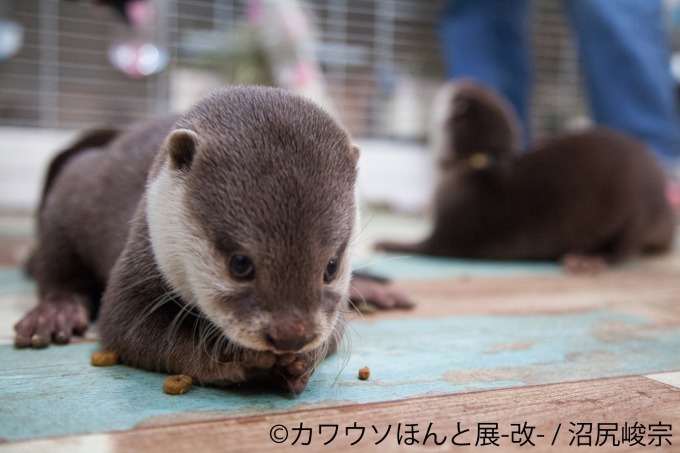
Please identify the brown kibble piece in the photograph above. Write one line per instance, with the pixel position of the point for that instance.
(104, 358)
(364, 373)
(177, 384)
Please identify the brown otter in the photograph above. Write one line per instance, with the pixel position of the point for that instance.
(220, 239)
(596, 193)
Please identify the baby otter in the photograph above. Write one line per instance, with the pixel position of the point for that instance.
(220, 238)
(597, 193)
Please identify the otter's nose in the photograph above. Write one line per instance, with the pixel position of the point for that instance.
(290, 339)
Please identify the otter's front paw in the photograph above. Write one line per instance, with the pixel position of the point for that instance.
(51, 322)
(231, 369)
(367, 292)
(292, 371)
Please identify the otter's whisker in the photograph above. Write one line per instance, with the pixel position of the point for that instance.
(383, 260)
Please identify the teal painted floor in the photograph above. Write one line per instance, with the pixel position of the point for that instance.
(56, 392)
(414, 267)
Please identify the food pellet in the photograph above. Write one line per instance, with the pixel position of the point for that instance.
(364, 373)
(177, 384)
(104, 358)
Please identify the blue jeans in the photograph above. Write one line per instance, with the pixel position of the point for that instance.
(623, 50)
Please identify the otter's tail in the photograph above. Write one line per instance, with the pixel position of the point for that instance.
(95, 138)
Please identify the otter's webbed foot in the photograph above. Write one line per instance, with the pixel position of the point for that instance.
(53, 321)
(292, 371)
(366, 292)
(230, 369)
(575, 263)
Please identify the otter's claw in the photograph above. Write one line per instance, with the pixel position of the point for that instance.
(51, 322)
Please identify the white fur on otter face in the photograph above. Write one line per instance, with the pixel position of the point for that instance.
(193, 267)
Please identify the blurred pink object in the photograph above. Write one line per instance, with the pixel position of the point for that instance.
(290, 40)
(137, 59)
(255, 11)
(303, 73)
(139, 12)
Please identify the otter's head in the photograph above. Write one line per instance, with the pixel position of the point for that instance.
(252, 213)
(473, 123)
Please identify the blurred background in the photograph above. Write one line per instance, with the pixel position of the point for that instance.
(69, 65)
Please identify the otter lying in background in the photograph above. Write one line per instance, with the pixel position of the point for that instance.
(594, 194)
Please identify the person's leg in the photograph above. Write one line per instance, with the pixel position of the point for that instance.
(625, 56)
(489, 40)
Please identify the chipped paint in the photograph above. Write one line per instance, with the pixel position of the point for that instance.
(509, 347)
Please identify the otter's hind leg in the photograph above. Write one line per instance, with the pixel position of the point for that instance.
(68, 293)
(629, 242)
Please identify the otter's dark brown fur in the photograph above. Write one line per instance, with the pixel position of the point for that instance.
(594, 193)
(158, 215)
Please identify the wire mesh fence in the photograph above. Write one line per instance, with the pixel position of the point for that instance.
(379, 61)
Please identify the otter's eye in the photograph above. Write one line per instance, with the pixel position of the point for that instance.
(331, 271)
(241, 267)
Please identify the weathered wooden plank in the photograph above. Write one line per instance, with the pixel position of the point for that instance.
(649, 294)
(512, 418)
(409, 358)
(466, 334)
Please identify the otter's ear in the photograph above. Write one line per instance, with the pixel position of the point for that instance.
(181, 147)
(355, 152)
